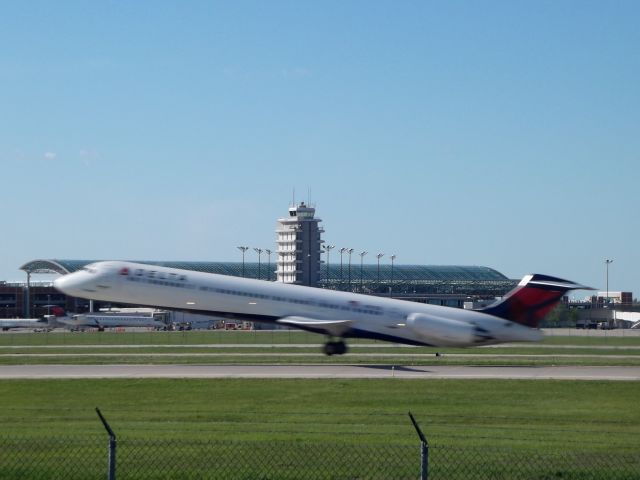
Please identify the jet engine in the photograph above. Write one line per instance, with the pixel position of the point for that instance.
(446, 332)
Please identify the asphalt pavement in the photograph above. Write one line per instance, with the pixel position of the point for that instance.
(344, 371)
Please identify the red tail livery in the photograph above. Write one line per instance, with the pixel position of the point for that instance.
(533, 298)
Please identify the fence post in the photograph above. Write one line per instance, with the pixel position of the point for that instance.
(112, 447)
(424, 450)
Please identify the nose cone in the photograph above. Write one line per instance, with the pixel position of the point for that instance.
(62, 283)
(70, 284)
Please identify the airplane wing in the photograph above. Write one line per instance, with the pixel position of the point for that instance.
(336, 328)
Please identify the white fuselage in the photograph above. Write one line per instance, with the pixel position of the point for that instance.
(234, 297)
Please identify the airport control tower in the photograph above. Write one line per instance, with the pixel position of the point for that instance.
(299, 246)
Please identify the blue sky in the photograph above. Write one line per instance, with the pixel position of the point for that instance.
(497, 133)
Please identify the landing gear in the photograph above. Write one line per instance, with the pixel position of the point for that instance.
(335, 348)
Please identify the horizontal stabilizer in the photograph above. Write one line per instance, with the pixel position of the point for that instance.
(545, 281)
(335, 328)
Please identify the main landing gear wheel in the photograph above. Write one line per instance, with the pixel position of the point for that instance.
(335, 348)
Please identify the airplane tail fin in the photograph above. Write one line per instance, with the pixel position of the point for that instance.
(534, 297)
(58, 311)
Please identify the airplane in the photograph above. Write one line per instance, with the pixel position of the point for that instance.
(102, 321)
(339, 315)
(47, 322)
(35, 323)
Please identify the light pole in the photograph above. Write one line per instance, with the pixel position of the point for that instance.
(268, 252)
(259, 252)
(379, 256)
(349, 251)
(362, 254)
(342, 250)
(328, 248)
(393, 257)
(243, 250)
(607, 262)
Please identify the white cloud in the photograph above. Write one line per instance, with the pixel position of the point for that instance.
(88, 156)
(50, 155)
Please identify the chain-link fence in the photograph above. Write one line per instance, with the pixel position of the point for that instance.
(133, 458)
(48, 458)
(87, 458)
(455, 463)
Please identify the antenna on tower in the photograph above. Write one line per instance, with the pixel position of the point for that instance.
(294, 197)
(308, 195)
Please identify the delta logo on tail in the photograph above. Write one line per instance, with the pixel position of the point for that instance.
(58, 311)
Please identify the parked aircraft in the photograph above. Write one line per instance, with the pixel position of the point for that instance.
(102, 321)
(339, 315)
(34, 323)
(48, 322)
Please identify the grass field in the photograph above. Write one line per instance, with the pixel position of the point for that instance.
(581, 421)
(286, 347)
(528, 414)
(316, 358)
(281, 337)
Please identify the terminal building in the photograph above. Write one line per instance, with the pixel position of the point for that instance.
(435, 284)
(303, 259)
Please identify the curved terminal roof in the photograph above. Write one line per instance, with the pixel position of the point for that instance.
(54, 266)
(369, 272)
(222, 268)
(417, 279)
(453, 279)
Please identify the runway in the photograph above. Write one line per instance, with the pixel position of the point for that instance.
(317, 371)
(308, 356)
(354, 347)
